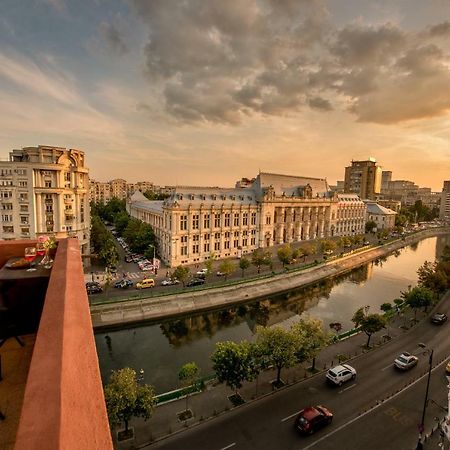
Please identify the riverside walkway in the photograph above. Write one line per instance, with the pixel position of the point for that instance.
(131, 311)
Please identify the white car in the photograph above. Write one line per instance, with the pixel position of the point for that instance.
(203, 272)
(340, 374)
(405, 361)
(169, 282)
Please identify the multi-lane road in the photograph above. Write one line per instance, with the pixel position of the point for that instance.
(381, 409)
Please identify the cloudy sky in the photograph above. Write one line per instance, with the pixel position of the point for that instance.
(205, 92)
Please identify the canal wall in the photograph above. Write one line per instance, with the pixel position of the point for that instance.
(169, 306)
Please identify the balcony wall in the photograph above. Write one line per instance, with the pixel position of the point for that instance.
(63, 406)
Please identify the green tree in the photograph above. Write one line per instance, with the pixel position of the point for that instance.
(370, 226)
(231, 363)
(188, 375)
(258, 259)
(278, 346)
(369, 323)
(434, 276)
(209, 264)
(310, 339)
(121, 222)
(181, 273)
(386, 307)
(108, 253)
(126, 399)
(285, 254)
(327, 245)
(227, 268)
(418, 297)
(244, 264)
(307, 250)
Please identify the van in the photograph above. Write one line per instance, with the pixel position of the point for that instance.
(146, 283)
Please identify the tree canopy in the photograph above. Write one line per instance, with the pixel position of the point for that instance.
(369, 323)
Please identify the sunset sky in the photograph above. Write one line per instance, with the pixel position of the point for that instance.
(204, 92)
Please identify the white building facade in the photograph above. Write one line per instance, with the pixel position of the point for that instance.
(196, 222)
(45, 191)
(383, 217)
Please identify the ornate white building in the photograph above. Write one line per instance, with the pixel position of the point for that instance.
(195, 222)
(44, 190)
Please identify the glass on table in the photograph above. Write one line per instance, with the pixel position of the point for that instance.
(30, 255)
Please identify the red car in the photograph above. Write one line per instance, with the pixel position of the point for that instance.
(312, 419)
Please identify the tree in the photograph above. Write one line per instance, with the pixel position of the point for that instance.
(369, 323)
(418, 297)
(108, 253)
(231, 363)
(126, 399)
(327, 245)
(121, 222)
(307, 250)
(278, 346)
(258, 259)
(188, 375)
(434, 276)
(310, 338)
(386, 307)
(244, 264)
(209, 264)
(285, 254)
(227, 268)
(370, 226)
(181, 273)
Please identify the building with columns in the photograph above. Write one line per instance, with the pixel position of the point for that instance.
(195, 222)
(45, 191)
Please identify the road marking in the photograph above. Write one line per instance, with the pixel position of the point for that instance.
(228, 446)
(387, 367)
(290, 417)
(326, 436)
(347, 388)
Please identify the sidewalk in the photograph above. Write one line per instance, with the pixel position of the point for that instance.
(214, 399)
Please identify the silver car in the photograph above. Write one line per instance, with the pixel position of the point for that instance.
(405, 361)
(340, 374)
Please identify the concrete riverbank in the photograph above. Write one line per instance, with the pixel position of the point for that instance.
(158, 308)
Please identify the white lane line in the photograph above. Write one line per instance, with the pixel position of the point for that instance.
(387, 367)
(326, 436)
(228, 446)
(347, 388)
(290, 417)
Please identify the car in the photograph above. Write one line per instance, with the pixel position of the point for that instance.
(438, 318)
(328, 252)
(146, 283)
(447, 369)
(313, 418)
(220, 274)
(195, 282)
(128, 259)
(123, 284)
(169, 282)
(366, 243)
(405, 361)
(202, 272)
(340, 374)
(92, 287)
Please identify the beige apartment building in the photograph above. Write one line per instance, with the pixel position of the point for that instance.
(195, 222)
(364, 179)
(44, 190)
(383, 217)
(444, 213)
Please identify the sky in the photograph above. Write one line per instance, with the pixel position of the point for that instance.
(205, 92)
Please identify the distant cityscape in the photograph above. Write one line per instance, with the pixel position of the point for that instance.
(47, 190)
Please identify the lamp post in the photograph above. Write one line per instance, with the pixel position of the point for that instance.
(422, 422)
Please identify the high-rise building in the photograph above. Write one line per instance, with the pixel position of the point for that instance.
(363, 178)
(44, 190)
(445, 201)
(386, 177)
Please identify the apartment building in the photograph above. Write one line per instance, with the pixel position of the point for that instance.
(383, 217)
(44, 190)
(363, 178)
(444, 212)
(195, 222)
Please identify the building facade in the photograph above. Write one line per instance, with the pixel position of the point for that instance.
(444, 212)
(363, 178)
(383, 217)
(196, 222)
(45, 191)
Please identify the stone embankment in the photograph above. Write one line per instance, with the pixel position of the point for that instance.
(157, 308)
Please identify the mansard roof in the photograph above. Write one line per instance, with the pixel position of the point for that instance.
(289, 184)
(375, 208)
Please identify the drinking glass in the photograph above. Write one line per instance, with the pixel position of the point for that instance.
(30, 254)
(40, 250)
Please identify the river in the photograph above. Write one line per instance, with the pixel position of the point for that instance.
(160, 349)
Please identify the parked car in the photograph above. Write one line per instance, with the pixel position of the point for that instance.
(92, 287)
(447, 369)
(123, 284)
(405, 361)
(202, 272)
(220, 274)
(169, 282)
(195, 282)
(311, 419)
(146, 283)
(439, 318)
(341, 373)
(328, 252)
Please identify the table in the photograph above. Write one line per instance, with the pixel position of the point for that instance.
(22, 293)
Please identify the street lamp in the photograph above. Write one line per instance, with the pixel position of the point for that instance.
(422, 422)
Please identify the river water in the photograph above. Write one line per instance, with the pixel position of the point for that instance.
(162, 348)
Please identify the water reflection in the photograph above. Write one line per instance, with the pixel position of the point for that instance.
(162, 349)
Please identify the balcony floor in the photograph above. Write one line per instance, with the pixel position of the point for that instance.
(15, 363)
